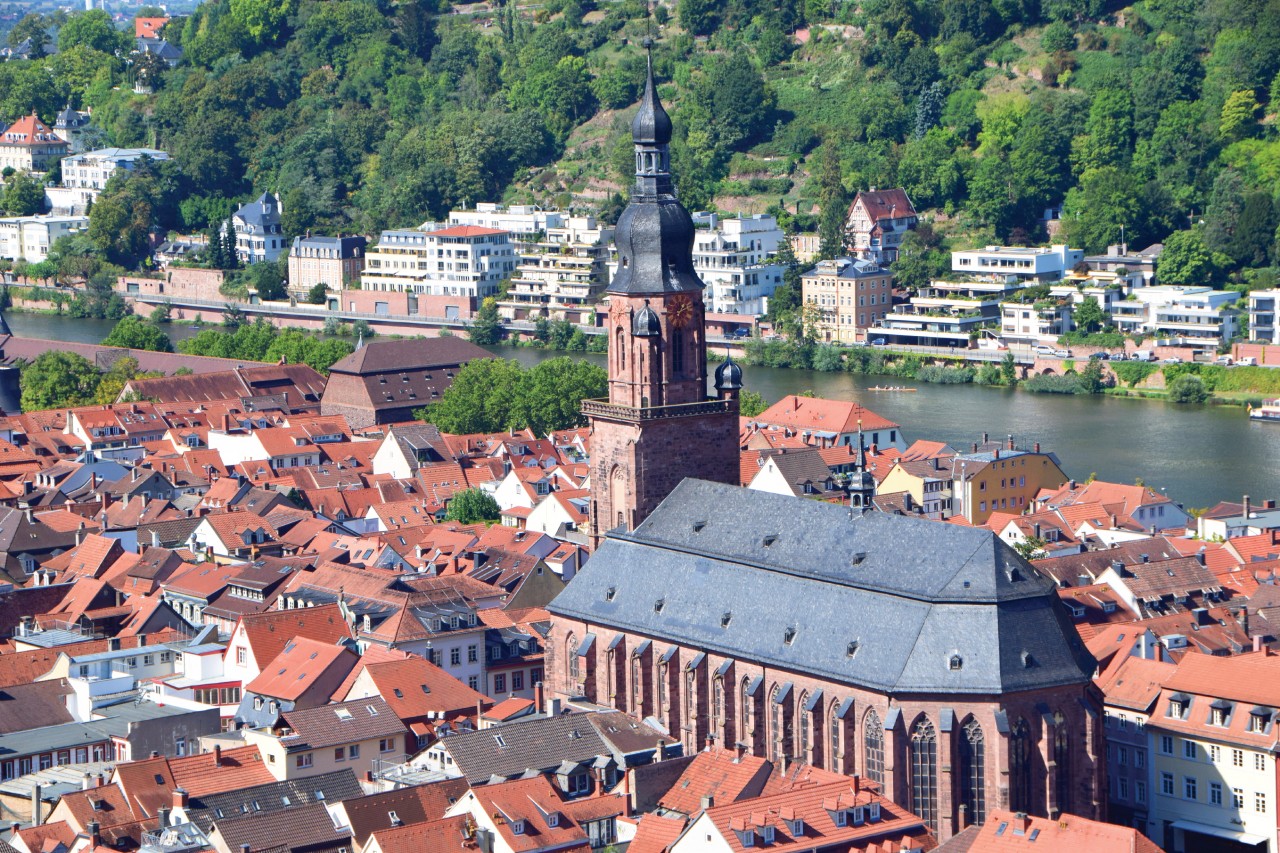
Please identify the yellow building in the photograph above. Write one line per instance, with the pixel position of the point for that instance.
(851, 297)
(991, 477)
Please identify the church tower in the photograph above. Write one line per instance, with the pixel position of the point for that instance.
(658, 425)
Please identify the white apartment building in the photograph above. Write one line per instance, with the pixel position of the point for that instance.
(29, 237)
(1035, 264)
(1213, 748)
(525, 222)
(459, 260)
(259, 235)
(1188, 314)
(1263, 328)
(84, 175)
(562, 276)
(732, 258)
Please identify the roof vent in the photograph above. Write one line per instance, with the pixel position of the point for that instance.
(726, 618)
(851, 649)
(770, 539)
(789, 636)
(1027, 660)
(659, 604)
(610, 593)
(956, 663)
(698, 525)
(856, 559)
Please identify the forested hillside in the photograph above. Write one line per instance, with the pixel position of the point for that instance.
(1159, 117)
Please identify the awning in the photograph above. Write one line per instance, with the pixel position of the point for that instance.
(585, 648)
(1218, 832)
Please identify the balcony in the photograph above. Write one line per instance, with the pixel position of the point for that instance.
(617, 411)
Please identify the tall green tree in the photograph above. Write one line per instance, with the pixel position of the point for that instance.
(1088, 315)
(133, 332)
(57, 379)
(486, 328)
(472, 506)
(23, 195)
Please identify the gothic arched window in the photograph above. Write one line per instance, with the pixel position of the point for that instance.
(637, 693)
(924, 773)
(677, 352)
(717, 704)
(571, 649)
(662, 687)
(806, 724)
(973, 790)
(748, 719)
(1062, 763)
(775, 724)
(1020, 768)
(622, 349)
(835, 730)
(873, 747)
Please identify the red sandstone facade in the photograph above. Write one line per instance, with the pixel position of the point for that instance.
(1038, 752)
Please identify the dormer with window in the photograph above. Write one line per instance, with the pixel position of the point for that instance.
(873, 812)
(767, 833)
(1220, 713)
(518, 826)
(1179, 706)
(1259, 720)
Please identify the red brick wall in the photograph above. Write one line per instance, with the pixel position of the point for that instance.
(175, 281)
(635, 466)
(607, 677)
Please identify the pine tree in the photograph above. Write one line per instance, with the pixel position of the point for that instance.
(217, 257)
(229, 246)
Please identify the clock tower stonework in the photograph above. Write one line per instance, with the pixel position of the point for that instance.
(658, 425)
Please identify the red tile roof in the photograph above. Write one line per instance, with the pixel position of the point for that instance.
(29, 130)
(466, 231)
(1068, 833)
(819, 415)
(214, 773)
(720, 774)
(296, 669)
(268, 632)
(417, 689)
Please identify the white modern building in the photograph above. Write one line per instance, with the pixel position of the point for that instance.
(459, 260)
(85, 175)
(1037, 264)
(1263, 328)
(732, 257)
(29, 237)
(525, 222)
(562, 276)
(1188, 314)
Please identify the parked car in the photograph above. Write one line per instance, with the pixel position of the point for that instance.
(1250, 361)
(742, 333)
(1173, 359)
(1224, 359)
(1042, 349)
(1143, 355)
(878, 342)
(1062, 353)
(1101, 356)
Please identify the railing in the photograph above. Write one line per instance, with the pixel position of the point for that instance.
(603, 409)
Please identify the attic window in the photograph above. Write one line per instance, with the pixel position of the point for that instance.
(769, 540)
(851, 649)
(1027, 660)
(698, 525)
(159, 779)
(726, 618)
(373, 712)
(399, 695)
(789, 636)
(659, 605)
(342, 713)
(955, 663)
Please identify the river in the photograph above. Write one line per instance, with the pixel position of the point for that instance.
(1197, 454)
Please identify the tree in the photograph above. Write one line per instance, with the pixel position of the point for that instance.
(1057, 38)
(486, 328)
(551, 393)
(162, 313)
(34, 27)
(57, 380)
(1254, 239)
(699, 17)
(1239, 115)
(751, 403)
(232, 316)
(483, 398)
(93, 28)
(1089, 316)
(1188, 388)
(1030, 548)
(1187, 260)
(133, 332)
(1009, 370)
(472, 506)
(23, 195)
(1091, 378)
(318, 294)
(1226, 202)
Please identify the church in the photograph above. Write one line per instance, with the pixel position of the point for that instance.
(927, 657)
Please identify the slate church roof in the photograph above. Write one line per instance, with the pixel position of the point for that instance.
(890, 603)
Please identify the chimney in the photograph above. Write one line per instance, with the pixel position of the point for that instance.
(1246, 506)
(1115, 522)
(217, 755)
(244, 848)
(975, 447)
(179, 798)
(1011, 447)
(86, 782)
(740, 751)
(1036, 446)
(553, 707)
(1035, 529)
(155, 539)
(537, 695)
(708, 801)
(95, 833)
(997, 453)
(37, 806)
(985, 438)
(164, 816)
(1200, 555)
(1071, 484)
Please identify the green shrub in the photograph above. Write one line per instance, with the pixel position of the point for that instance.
(948, 375)
(1188, 388)
(1132, 372)
(1052, 384)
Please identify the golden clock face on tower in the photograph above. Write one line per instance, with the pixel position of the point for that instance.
(680, 311)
